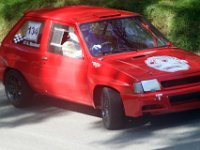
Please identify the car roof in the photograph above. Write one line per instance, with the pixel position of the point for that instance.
(78, 13)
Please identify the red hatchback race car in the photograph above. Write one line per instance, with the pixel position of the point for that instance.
(109, 59)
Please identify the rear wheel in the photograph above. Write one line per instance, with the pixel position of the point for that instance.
(112, 109)
(17, 89)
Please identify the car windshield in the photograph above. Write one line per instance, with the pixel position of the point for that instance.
(121, 35)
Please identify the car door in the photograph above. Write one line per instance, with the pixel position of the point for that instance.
(65, 69)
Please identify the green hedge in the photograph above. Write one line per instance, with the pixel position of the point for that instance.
(178, 19)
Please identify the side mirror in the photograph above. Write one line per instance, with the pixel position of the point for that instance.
(170, 44)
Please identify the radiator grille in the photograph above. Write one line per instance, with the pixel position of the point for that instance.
(184, 98)
(179, 82)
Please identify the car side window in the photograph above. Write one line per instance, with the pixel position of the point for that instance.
(64, 41)
(29, 34)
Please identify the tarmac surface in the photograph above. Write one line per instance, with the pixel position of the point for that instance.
(52, 124)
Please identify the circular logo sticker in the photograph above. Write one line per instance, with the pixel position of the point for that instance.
(167, 63)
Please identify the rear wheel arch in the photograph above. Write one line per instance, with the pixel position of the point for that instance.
(17, 88)
(19, 72)
(12, 69)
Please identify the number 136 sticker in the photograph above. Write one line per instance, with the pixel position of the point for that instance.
(33, 31)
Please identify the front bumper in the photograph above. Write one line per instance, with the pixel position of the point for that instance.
(182, 99)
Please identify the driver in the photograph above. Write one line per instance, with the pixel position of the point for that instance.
(95, 39)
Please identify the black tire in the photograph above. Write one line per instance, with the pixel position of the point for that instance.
(17, 89)
(112, 109)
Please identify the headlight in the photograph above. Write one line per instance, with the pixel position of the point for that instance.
(147, 86)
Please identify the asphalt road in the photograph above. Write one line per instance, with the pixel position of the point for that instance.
(51, 124)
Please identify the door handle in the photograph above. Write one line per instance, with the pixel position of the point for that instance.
(44, 58)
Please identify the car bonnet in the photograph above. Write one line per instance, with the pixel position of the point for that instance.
(157, 63)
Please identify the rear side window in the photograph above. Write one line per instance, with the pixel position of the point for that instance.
(29, 34)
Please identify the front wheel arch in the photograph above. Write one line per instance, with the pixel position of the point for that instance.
(112, 109)
(97, 94)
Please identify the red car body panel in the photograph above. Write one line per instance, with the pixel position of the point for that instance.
(78, 14)
(77, 79)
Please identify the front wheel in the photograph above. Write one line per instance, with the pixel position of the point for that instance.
(112, 109)
(17, 89)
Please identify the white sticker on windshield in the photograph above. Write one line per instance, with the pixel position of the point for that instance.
(33, 31)
(167, 63)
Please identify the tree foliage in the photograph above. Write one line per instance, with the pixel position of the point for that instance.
(178, 19)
